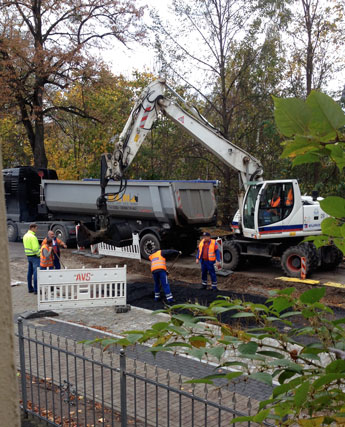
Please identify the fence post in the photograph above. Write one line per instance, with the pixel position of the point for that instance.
(22, 364)
(123, 388)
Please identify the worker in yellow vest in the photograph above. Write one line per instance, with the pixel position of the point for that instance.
(32, 251)
(208, 255)
(159, 272)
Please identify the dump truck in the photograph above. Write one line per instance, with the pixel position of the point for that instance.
(163, 213)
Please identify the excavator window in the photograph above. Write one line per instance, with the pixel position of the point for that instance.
(277, 203)
(249, 206)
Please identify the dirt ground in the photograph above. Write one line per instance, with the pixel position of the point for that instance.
(242, 283)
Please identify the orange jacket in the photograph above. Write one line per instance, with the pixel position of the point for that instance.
(211, 250)
(289, 199)
(46, 261)
(157, 261)
(275, 203)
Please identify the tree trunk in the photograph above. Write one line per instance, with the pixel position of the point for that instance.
(40, 158)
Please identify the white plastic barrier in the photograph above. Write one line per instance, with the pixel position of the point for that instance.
(132, 251)
(87, 287)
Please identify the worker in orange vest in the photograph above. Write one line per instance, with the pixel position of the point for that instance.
(289, 199)
(208, 255)
(56, 243)
(275, 202)
(46, 260)
(159, 272)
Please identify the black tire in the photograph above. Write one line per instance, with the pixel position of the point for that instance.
(231, 255)
(331, 257)
(291, 261)
(312, 255)
(60, 232)
(12, 231)
(149, 244)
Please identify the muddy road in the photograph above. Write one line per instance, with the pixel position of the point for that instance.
(256, 279)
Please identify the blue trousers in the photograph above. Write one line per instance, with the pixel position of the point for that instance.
(208, 267)
(57, 265)
(33, 264)
(160, 277)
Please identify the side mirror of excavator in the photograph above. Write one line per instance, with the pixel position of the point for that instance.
(314, 195)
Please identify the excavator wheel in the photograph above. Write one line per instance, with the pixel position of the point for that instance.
(331, 257)
(291, 260)
(231, 255)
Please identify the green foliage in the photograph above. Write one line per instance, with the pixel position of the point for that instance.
(315, 129)
(308, 378)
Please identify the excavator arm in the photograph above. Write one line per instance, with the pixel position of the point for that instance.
(151, 102)
(145, 112)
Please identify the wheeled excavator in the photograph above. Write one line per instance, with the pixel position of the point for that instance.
(272, 219)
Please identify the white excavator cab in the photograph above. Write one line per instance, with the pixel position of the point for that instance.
(272, 209)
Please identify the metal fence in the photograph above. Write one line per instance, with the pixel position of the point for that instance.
(68, 383)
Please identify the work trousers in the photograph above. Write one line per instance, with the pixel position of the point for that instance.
(160, 278)
(33, 265)
(208, 267)
(57, 264)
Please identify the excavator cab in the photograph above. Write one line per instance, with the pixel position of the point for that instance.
(272, 208)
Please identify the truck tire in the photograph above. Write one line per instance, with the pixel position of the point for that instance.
(291, 261)
(149, 244)
(331, 257)
(231, 255)
(60, 232)
(12, 231)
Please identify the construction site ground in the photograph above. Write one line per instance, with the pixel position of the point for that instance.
(253, 283)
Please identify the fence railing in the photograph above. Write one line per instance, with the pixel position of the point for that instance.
(68, 383)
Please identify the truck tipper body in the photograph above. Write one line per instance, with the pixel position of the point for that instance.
(163, 213)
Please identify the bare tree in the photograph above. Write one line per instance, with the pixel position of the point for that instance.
(212, 46)
(316, 34)
(46, 44)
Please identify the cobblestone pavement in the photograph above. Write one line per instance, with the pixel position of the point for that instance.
(146, 400)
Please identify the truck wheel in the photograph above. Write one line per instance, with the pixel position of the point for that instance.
(231, 255)
(331, 257)
(12, 231)
(149, 244)
(60, 232)
(291, 261)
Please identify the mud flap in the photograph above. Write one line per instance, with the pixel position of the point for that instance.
(116, 235)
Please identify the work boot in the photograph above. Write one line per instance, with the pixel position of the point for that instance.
(170, 302)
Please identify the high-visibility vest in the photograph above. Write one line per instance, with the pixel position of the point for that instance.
(157, 261)
(211, 250)
(275, 203)
(289, 199)
(31, 245)
(55, 248)
(46, 261)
